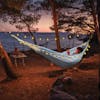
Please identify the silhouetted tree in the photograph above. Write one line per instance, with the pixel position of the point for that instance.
(98, 13)
(91, 7)
(54, 6)
(26, 20)
(55, 19)
(7, 64)
(80, 18)
(5, 7)
(24, 17)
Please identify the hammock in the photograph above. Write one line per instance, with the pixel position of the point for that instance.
(61, 59)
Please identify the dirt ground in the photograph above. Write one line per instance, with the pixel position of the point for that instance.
(34, 83)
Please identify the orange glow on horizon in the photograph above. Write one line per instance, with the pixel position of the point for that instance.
(43, 25)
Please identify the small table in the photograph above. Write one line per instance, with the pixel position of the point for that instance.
(19, 56)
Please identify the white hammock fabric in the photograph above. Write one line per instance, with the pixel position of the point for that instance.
(61, 59)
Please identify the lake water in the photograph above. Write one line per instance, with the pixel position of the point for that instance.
(43, 39)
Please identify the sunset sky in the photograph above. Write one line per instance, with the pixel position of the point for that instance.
(46, 21)
(43, 25)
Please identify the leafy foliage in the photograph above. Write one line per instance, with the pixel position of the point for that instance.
(20, 13)
(75, 16)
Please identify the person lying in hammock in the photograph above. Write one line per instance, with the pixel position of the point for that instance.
(77, 51)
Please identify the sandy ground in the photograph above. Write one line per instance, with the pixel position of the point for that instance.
(34, 83)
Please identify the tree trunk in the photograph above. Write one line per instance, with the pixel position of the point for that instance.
(7, 64)
(98, 12)
(55, 24)
(93, 12)
(28, 27)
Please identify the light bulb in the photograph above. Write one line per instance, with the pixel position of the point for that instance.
(46, 53)
(17, 34)
(87, 49)
(47, 39)
(89, 46)
(70, 37)
(63, 38)
(55, 39)
(40, 39)
(20, 42)
(32, 38)
(84, 53)
(25, 36)
(78, 35)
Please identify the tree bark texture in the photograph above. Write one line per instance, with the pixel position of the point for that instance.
(54, 13)
(7, 64)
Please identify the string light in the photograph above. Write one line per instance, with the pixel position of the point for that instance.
(89, 46)
(40, 39)
(63, 38)
(32, 38)
(77, 35)
(25, 36)
(21, 42)
(84, 53)
(87, 49)
(17, 34)
(46, 53)
(69, 36)
(55, 39)
(47, 39)
(43, 50)
(9, 32)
